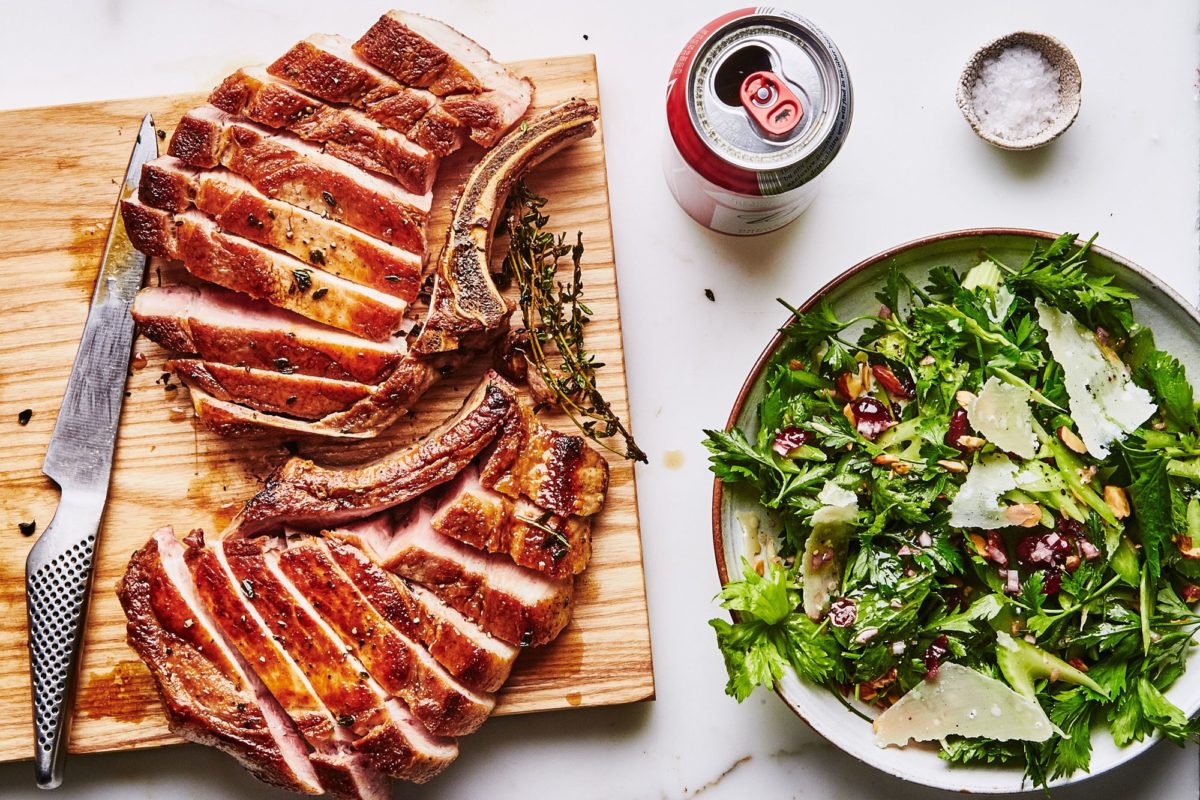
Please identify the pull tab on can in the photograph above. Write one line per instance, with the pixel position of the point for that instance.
(771, 104)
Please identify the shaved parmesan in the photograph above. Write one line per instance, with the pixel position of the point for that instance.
(833, 495)
(977, 504)
(825, 550)
(1105, 403)
(1002, 415)
(962, 702)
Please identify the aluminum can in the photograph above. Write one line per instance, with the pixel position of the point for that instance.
(758, 104)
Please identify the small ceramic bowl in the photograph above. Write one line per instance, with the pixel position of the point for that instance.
(1069, 81)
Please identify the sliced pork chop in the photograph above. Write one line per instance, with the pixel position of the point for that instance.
(468, 314)
(482, 96)
(514, 604)
(210, 694)
(343, 132)
(239, 208)
(325, 66)
(475, 658)
(487, 520)
(302, 396)
(402, 667)
(246, 631)
(288, 168)
(419, 51)
(235, 263)
(466, 310)
(384, 728)
(225, 327)
(304, 495)
(558, 472)
(439, 131)
(489, 115)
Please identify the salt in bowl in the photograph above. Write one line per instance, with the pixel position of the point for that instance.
(1069, 80)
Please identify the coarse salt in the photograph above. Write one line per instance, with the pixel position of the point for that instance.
(1016, 94)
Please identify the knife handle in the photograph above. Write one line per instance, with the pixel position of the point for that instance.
(58, 577)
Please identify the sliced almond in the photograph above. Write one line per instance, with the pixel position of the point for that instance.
(977, 544)
(1184, 543)
(952, 466)
(850, 385)
(967, 442)
(928, 361)
(1024, 514)
(848, 413)
(1114, 497)
(865, 377)
(1071, 440)
(885, 460)
(964, 398)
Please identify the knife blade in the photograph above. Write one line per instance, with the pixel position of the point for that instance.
(58, 571)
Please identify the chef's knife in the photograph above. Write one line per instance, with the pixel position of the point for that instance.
(58, 572)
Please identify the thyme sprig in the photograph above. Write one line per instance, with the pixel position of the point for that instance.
(554, 317)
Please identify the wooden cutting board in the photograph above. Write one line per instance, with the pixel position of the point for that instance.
(59, 175)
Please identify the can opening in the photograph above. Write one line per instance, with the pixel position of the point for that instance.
(737, 66)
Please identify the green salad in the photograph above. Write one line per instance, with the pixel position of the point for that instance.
(978, 510)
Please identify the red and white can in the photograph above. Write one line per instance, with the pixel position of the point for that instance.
(758, 104)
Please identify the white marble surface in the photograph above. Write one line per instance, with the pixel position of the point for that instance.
(911, 167)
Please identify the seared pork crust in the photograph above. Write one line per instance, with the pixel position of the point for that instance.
(514, 604)
(343, 132)
(401, 666)
(206, 695)
(227, 327)
(326, 67)
(209, 253)
(300, 396)
(419, 51)
(241, 209)
(469, 654)
(305, 495)
(556, 546)
(557, 471)
(288, 168)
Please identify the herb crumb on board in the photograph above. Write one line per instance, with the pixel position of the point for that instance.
(24, 417)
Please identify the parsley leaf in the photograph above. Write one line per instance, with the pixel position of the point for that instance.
(768, 637)
(1168, 379)
(1154, 501)
(1072, 712)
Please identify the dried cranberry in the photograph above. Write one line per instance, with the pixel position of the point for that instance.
(871, 417)
(1050, 553)
(843, 612)
(956, 596)
(937, 650)
(787, 440)
(849, 386)
(897, 385)
(1044, 550)
(1052, 583)
(959, 426)
(1069, 526)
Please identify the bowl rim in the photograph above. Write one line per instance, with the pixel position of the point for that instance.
(761, 362)
(964, 94)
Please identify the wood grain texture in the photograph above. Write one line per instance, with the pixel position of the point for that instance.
(59, 174)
